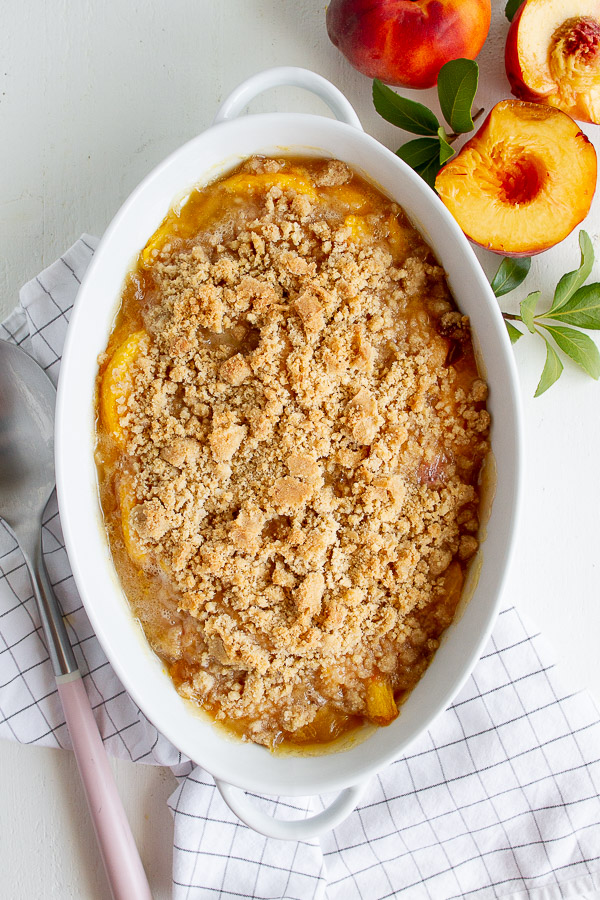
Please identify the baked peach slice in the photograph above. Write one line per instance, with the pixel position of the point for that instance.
(244, 183)
(553, 55)
(381, 705)
(523, 182)
(127, 502)
(117, 384)
(201, 210)
(361, 230)
(398, 238)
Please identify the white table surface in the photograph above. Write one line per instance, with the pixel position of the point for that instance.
(92, 96)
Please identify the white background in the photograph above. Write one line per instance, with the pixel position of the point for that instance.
(92, 96)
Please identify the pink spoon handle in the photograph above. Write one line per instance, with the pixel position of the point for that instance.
(119, 853)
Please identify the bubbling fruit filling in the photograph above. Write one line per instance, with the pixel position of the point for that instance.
(291, 430)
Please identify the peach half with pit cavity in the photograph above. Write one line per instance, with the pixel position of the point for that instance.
(523, 182)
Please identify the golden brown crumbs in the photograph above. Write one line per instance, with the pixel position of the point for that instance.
(293, 497)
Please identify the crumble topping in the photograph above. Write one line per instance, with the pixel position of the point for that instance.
(301, 449)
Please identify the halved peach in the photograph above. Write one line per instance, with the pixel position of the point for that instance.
(117, 384)
(553, 55)
(523, 182)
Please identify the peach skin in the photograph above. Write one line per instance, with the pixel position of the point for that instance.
(406, 42)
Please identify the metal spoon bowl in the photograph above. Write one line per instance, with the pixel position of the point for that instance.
(27, 399)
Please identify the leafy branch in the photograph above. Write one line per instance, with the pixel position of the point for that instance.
(575, 305)
(457, 86)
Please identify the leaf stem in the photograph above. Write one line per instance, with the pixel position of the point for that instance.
(512, 316)
(453, 134)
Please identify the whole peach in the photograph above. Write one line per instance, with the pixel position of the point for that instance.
(406, 42)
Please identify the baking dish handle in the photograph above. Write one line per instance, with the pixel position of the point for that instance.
(285, 829)
(295, 77)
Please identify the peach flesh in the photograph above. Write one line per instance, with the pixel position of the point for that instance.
(575, 52)
(523, 182)
(553, 55)
(520, 181)
(579, 37)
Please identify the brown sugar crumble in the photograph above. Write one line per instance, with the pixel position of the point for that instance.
(291, 431)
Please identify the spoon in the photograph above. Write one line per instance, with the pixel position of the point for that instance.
(27, 399)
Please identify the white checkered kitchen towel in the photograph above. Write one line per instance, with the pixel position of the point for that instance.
(499, 799)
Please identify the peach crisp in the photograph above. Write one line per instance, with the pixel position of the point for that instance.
(290, 436)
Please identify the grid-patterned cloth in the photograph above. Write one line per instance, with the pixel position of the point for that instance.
(499, 799)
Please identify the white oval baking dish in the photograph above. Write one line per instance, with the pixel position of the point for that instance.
(234, 764)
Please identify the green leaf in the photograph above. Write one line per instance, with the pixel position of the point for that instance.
(420, 151)
(551, 372)
(429, 170)
(406, 114)
(572, 281)
(510, 11)
(423, 155)
(578, 346)
(582, 309)
(457, 86)
(446, 150)
(513, 333)
(528, 306)
(510, 274)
